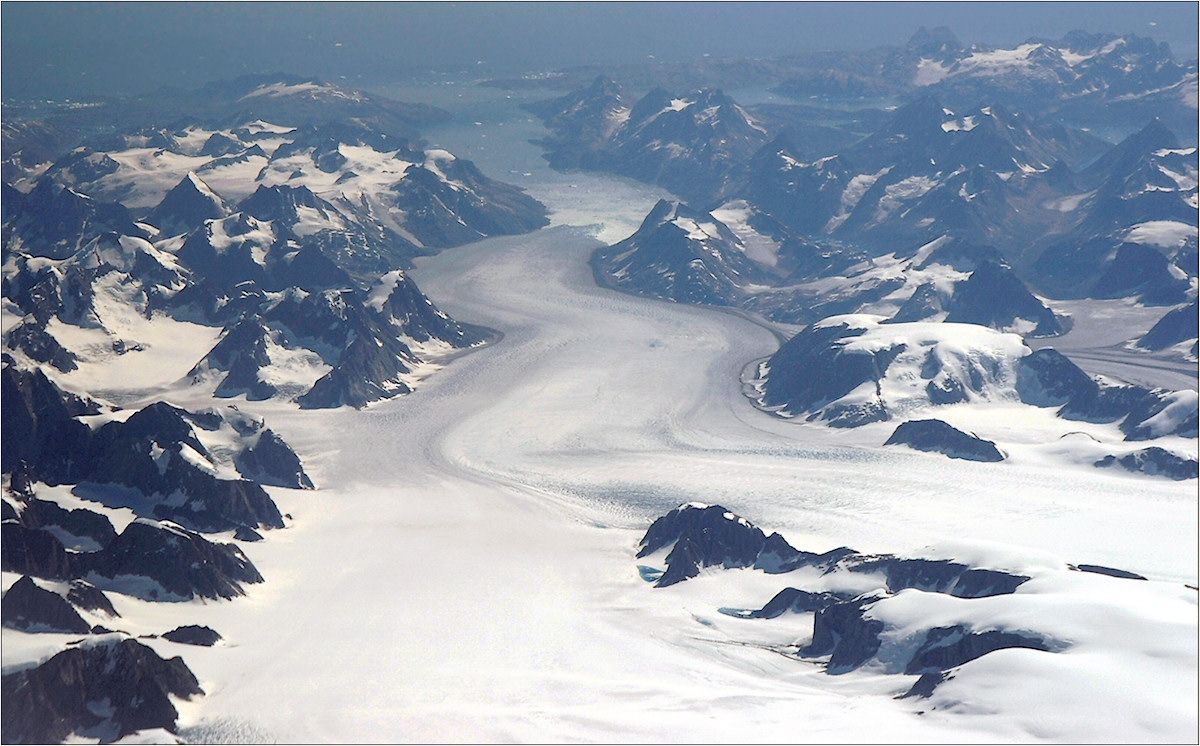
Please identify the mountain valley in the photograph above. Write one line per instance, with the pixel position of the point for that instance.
(331, 417)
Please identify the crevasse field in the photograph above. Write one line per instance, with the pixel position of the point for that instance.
(466, 570)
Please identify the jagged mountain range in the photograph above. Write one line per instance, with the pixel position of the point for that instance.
(291, 238)
(40, 132)
(1082, 77)
(1063, 207)
(276, 221)
(985, 174)
(685, 255)
(936, 219)
(928, 225)
(1100, 81)
(937, 327)
(372, 199)
(184, 474)
(693, 144)
(287, 228)
(295, 323)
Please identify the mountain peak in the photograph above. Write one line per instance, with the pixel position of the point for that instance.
(1126, 154)
(663, 211)
(1085, 41)
(273, 202)
(919, 117)
(934, 42)
(186, 206)
(1156, 134)
(605, 86)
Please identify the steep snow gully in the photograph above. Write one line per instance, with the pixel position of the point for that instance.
(466, 570)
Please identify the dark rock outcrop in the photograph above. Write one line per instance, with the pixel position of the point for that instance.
(708, 536)
(814, 369)
(370, 361)
(87, 596)
(936, 576)
(79, 522)
(994, 296)
(33, 552)
(245, 533)
(188, 205)
(342, 330)
(790, 600)
(411, 313)
(680, 254)
(193, 634)
(55, 221)
(939, 437)
(31, 338)
(241, 353)
(272, 461)
(1156, 461)
(924, 303)
(1179, 325)
(357, 343)
(242, 248)
(1143, 272)
(846, 628)
(1109, 571)
(62, 697)
(925, 684)
(146, 453)
(30, 608)
(948, 647)
(149, 560)
(1047, 378)
(844, 633)
(159, 562)
(79, 289)
(711, 536)
(38, 417)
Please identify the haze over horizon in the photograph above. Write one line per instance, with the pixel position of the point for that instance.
(118, 48)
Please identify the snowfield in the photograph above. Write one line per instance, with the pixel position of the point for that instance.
(465, 570)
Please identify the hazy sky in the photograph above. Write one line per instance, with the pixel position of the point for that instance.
(61, 49)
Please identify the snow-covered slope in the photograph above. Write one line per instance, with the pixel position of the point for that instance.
(850, 371)
(962, 635)
(280, 234)
(397, 200)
